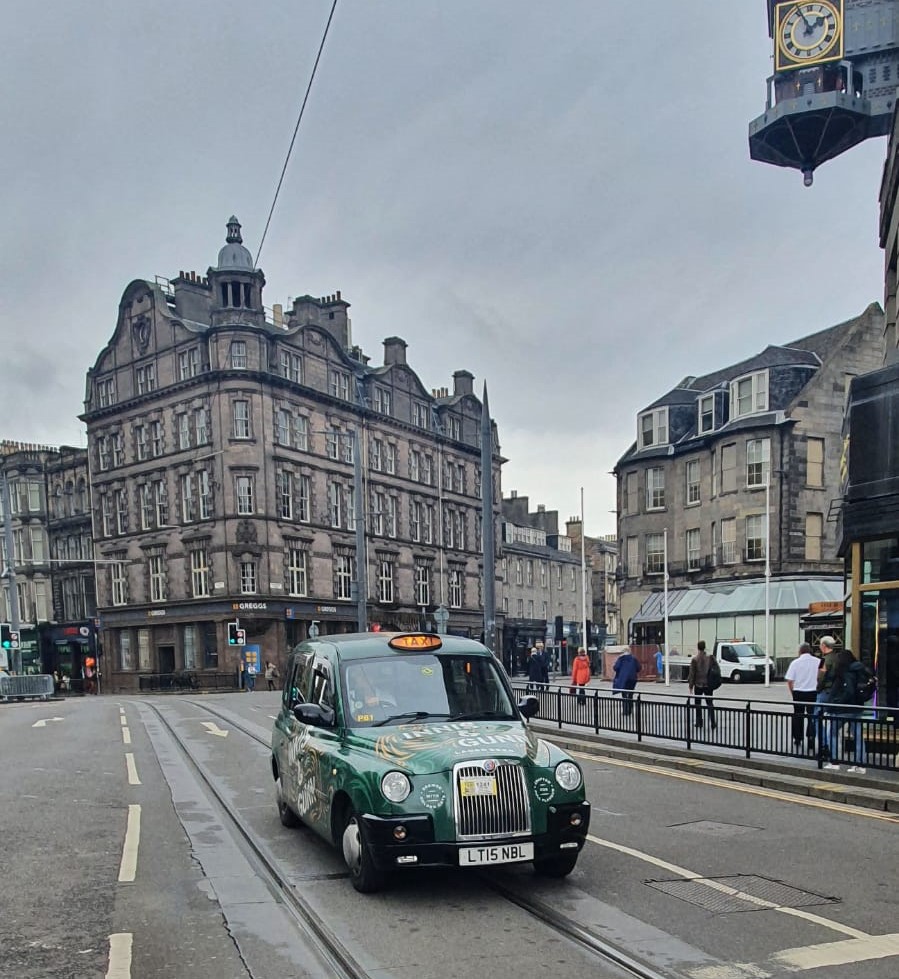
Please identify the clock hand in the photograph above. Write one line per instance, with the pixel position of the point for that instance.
(808, 27)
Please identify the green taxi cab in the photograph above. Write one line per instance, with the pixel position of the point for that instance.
(409, 750)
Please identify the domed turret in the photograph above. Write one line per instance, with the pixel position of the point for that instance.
(236, 284)
(233, 255)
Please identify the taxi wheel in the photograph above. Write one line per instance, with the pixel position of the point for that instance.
(560, 865)
(288, 817)
(365, 877)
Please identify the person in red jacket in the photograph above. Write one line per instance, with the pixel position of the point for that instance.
(580, 674)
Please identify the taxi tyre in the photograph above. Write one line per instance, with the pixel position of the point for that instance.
(288, 817)
(364, 875)
(559, 865)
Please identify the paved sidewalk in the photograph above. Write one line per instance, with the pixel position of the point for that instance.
(876, 790)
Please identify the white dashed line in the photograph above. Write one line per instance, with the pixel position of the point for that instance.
(128, 867)
(132, 769)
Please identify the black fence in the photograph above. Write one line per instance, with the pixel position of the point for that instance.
(825, 735)
(186, 681)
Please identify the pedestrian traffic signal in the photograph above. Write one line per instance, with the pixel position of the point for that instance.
(241, 637)
(13, 640)
(233, 629)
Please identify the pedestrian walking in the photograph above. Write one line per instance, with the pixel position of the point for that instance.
(827, 648)
(251, 677)
(627, 667)
(802, 682)
(698, 681)
(271, 674)
(544, 655)
(843, 708)
(536, 669)
(580, 675)
(660, 666)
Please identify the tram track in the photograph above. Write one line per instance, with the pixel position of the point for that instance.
(309, 924)
(310, 920)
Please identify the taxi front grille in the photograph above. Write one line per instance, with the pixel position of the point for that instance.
(508, 813)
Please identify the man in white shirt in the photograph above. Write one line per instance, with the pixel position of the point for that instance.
(802, 682)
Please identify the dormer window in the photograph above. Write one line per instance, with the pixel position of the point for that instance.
(749, 395)
(706, 420)
(653, 428)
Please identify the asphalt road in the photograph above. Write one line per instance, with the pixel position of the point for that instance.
(698, 879)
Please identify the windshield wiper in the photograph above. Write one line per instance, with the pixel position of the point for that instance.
(482, 715)
(412, 715)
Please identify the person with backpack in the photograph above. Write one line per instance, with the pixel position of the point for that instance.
(704, 678)
(851, 687)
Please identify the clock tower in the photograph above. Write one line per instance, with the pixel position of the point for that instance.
(836, 70)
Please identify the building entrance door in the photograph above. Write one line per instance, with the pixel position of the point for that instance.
(166, 659)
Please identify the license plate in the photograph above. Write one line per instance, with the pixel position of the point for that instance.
(473, 856)
(477, 785)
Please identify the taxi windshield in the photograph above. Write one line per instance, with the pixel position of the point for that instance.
(423, 687)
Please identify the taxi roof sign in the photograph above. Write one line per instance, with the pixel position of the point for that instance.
(415, 642)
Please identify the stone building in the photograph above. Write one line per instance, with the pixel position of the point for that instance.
(728, 464)
(53, 564)
(221, 446)
(601, 558)
(869, 517)
(541, 581)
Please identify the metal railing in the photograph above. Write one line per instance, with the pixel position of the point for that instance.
(750, 727)
(185, 681)
(21, 686)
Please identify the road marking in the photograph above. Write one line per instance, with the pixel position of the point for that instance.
(720, 783)
(126, 735)
(274, 717)
(128, 866)
(123, 719)
(213, 728)
(43, 723)
(120, 956)
(132, 769)
(716, 885)
(837, 953)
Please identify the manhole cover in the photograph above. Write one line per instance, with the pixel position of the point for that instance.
(710, 828)
(739, 892)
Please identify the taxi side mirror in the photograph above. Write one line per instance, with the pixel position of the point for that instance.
(314, 714)
(529, 706)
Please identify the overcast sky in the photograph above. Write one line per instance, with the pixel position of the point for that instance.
(557, 197)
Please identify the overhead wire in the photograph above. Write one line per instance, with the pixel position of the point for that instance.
(296, 129)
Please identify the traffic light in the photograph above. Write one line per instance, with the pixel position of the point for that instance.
(8, 637)
(233, 630)
(241, 637)
(13, 640)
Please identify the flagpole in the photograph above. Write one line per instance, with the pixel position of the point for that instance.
(583, 580)
(665, 608)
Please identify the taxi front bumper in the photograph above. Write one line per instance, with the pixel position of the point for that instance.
(418, 847)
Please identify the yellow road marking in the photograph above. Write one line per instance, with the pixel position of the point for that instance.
(128, 866)
(720, 783)
(120, 956)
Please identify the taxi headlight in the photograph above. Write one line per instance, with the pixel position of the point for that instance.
(568, 775)
(395, 786)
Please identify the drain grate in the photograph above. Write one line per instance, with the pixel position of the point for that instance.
(739, 892)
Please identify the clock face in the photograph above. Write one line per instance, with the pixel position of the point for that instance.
(808, 33)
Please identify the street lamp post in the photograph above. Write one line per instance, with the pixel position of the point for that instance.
(767, 576)
(11, 574)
